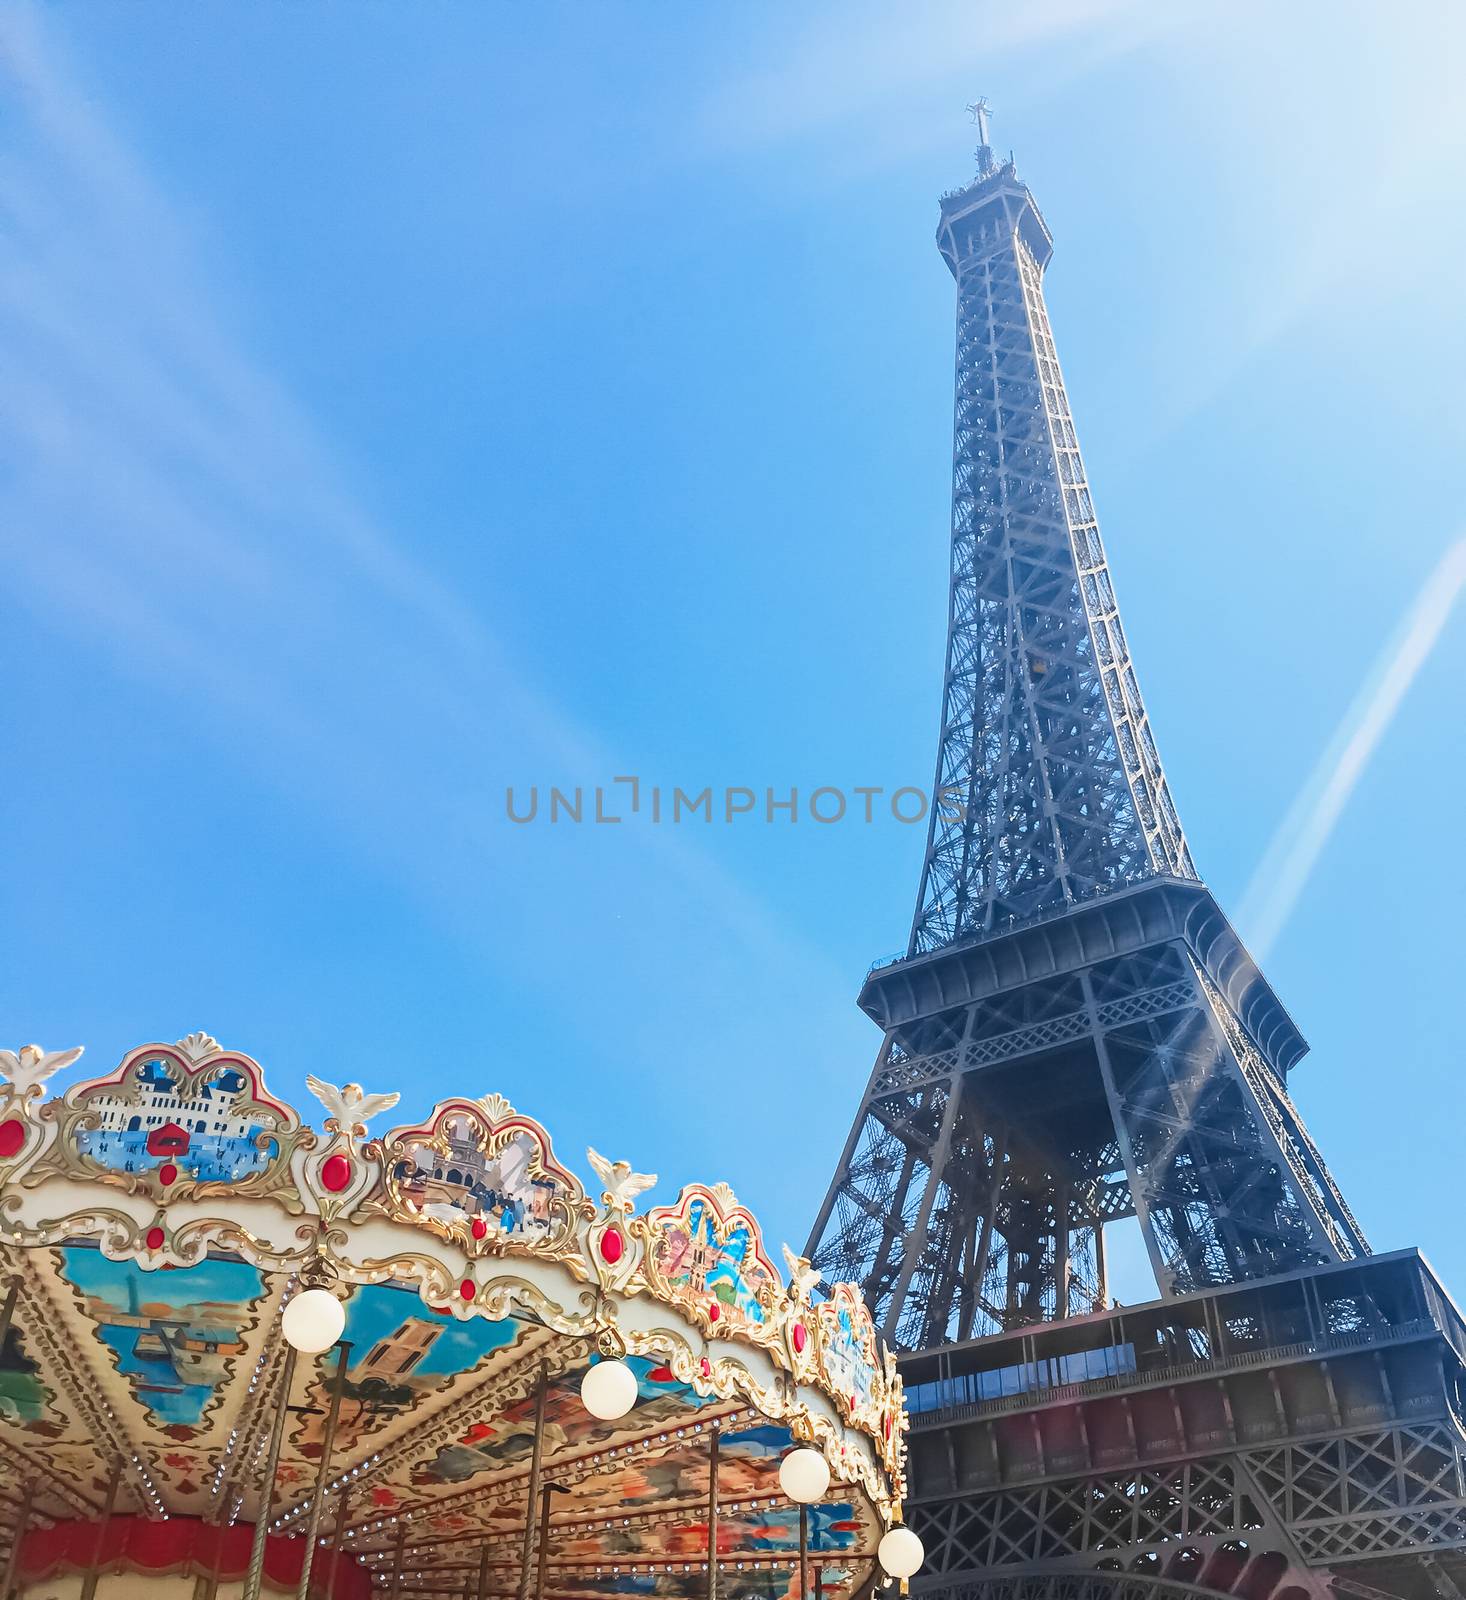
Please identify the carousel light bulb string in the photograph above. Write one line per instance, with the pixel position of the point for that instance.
(66, 1360)
(257, 1408)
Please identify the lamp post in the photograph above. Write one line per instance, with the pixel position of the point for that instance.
(318, 1499)
(343, 1505)
(312, 1322)
(900, 1552)
(89, 1583)
(12, 1561)
(397, 1548)
(544, 1551)
(526, 1549)
(804, 1475)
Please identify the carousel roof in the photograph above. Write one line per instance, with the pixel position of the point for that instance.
(156, 1221)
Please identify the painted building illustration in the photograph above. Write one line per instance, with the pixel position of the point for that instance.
(464, 1180)
(145, 1121)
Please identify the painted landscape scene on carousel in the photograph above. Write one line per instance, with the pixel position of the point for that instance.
(401, 1350)
(833, 1529)
(461, 1170)
(145, 1122)
(508, 1440)
(172, 1335)
(706, 1259)
(23, 1396)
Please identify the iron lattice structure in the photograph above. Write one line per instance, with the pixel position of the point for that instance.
(1074, 1035)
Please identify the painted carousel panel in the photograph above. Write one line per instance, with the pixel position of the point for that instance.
(174, 1336)
(27, 1402)
(677, 1472)
(402, 1351)
(707, 1256)
(164, 1116)
(506, 1440)
(479, 1172)
(849, 1355)
(834, 1529)
(753, 1582)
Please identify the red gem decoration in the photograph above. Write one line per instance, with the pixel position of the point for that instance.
(852, 1402)
(468, 1288)
(12, 1137)
(886, 1425)
(707, 1367)
(167, 1174)
(478, 1228)
(154, 1239)
(801, 1338)
(714, 1311)
(335, 1172)
(612, 1245)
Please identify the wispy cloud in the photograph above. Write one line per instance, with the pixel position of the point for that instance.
(170, 505)
(1283, 873)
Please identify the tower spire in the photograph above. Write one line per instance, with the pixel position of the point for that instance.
(979, 110)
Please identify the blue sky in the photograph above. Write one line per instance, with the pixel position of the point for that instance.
(400, 402)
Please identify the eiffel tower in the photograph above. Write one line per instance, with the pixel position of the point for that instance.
(1075, 1041)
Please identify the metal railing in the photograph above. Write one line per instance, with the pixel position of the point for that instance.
(1241, 1361)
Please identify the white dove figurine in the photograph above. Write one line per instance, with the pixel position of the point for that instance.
(28, 1068)
(350, 1109)
(802, 1276)
(622, 1184)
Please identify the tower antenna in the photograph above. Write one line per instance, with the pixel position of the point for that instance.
(979, 110)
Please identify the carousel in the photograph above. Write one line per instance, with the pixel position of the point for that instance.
(240, 1355)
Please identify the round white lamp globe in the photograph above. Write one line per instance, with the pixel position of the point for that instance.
(608, 1390)
(901, 1552)
(804, 1475)
(313, 1321)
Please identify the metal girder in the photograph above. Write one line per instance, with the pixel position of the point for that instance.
(1095, 1034)
(1052, 786)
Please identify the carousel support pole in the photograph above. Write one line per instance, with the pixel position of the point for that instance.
(22, 1522)
(535, 1462)
(803, 1552)
(7, 1311)
(483, 1570)
(256, 1569)
(337, 1533)
(109, 1505)
(318, 1499)
(544, 1550)
(211, 1588)
(713, 1514)
(397, 1558)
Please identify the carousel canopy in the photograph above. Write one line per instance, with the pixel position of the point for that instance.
(157, 1221)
